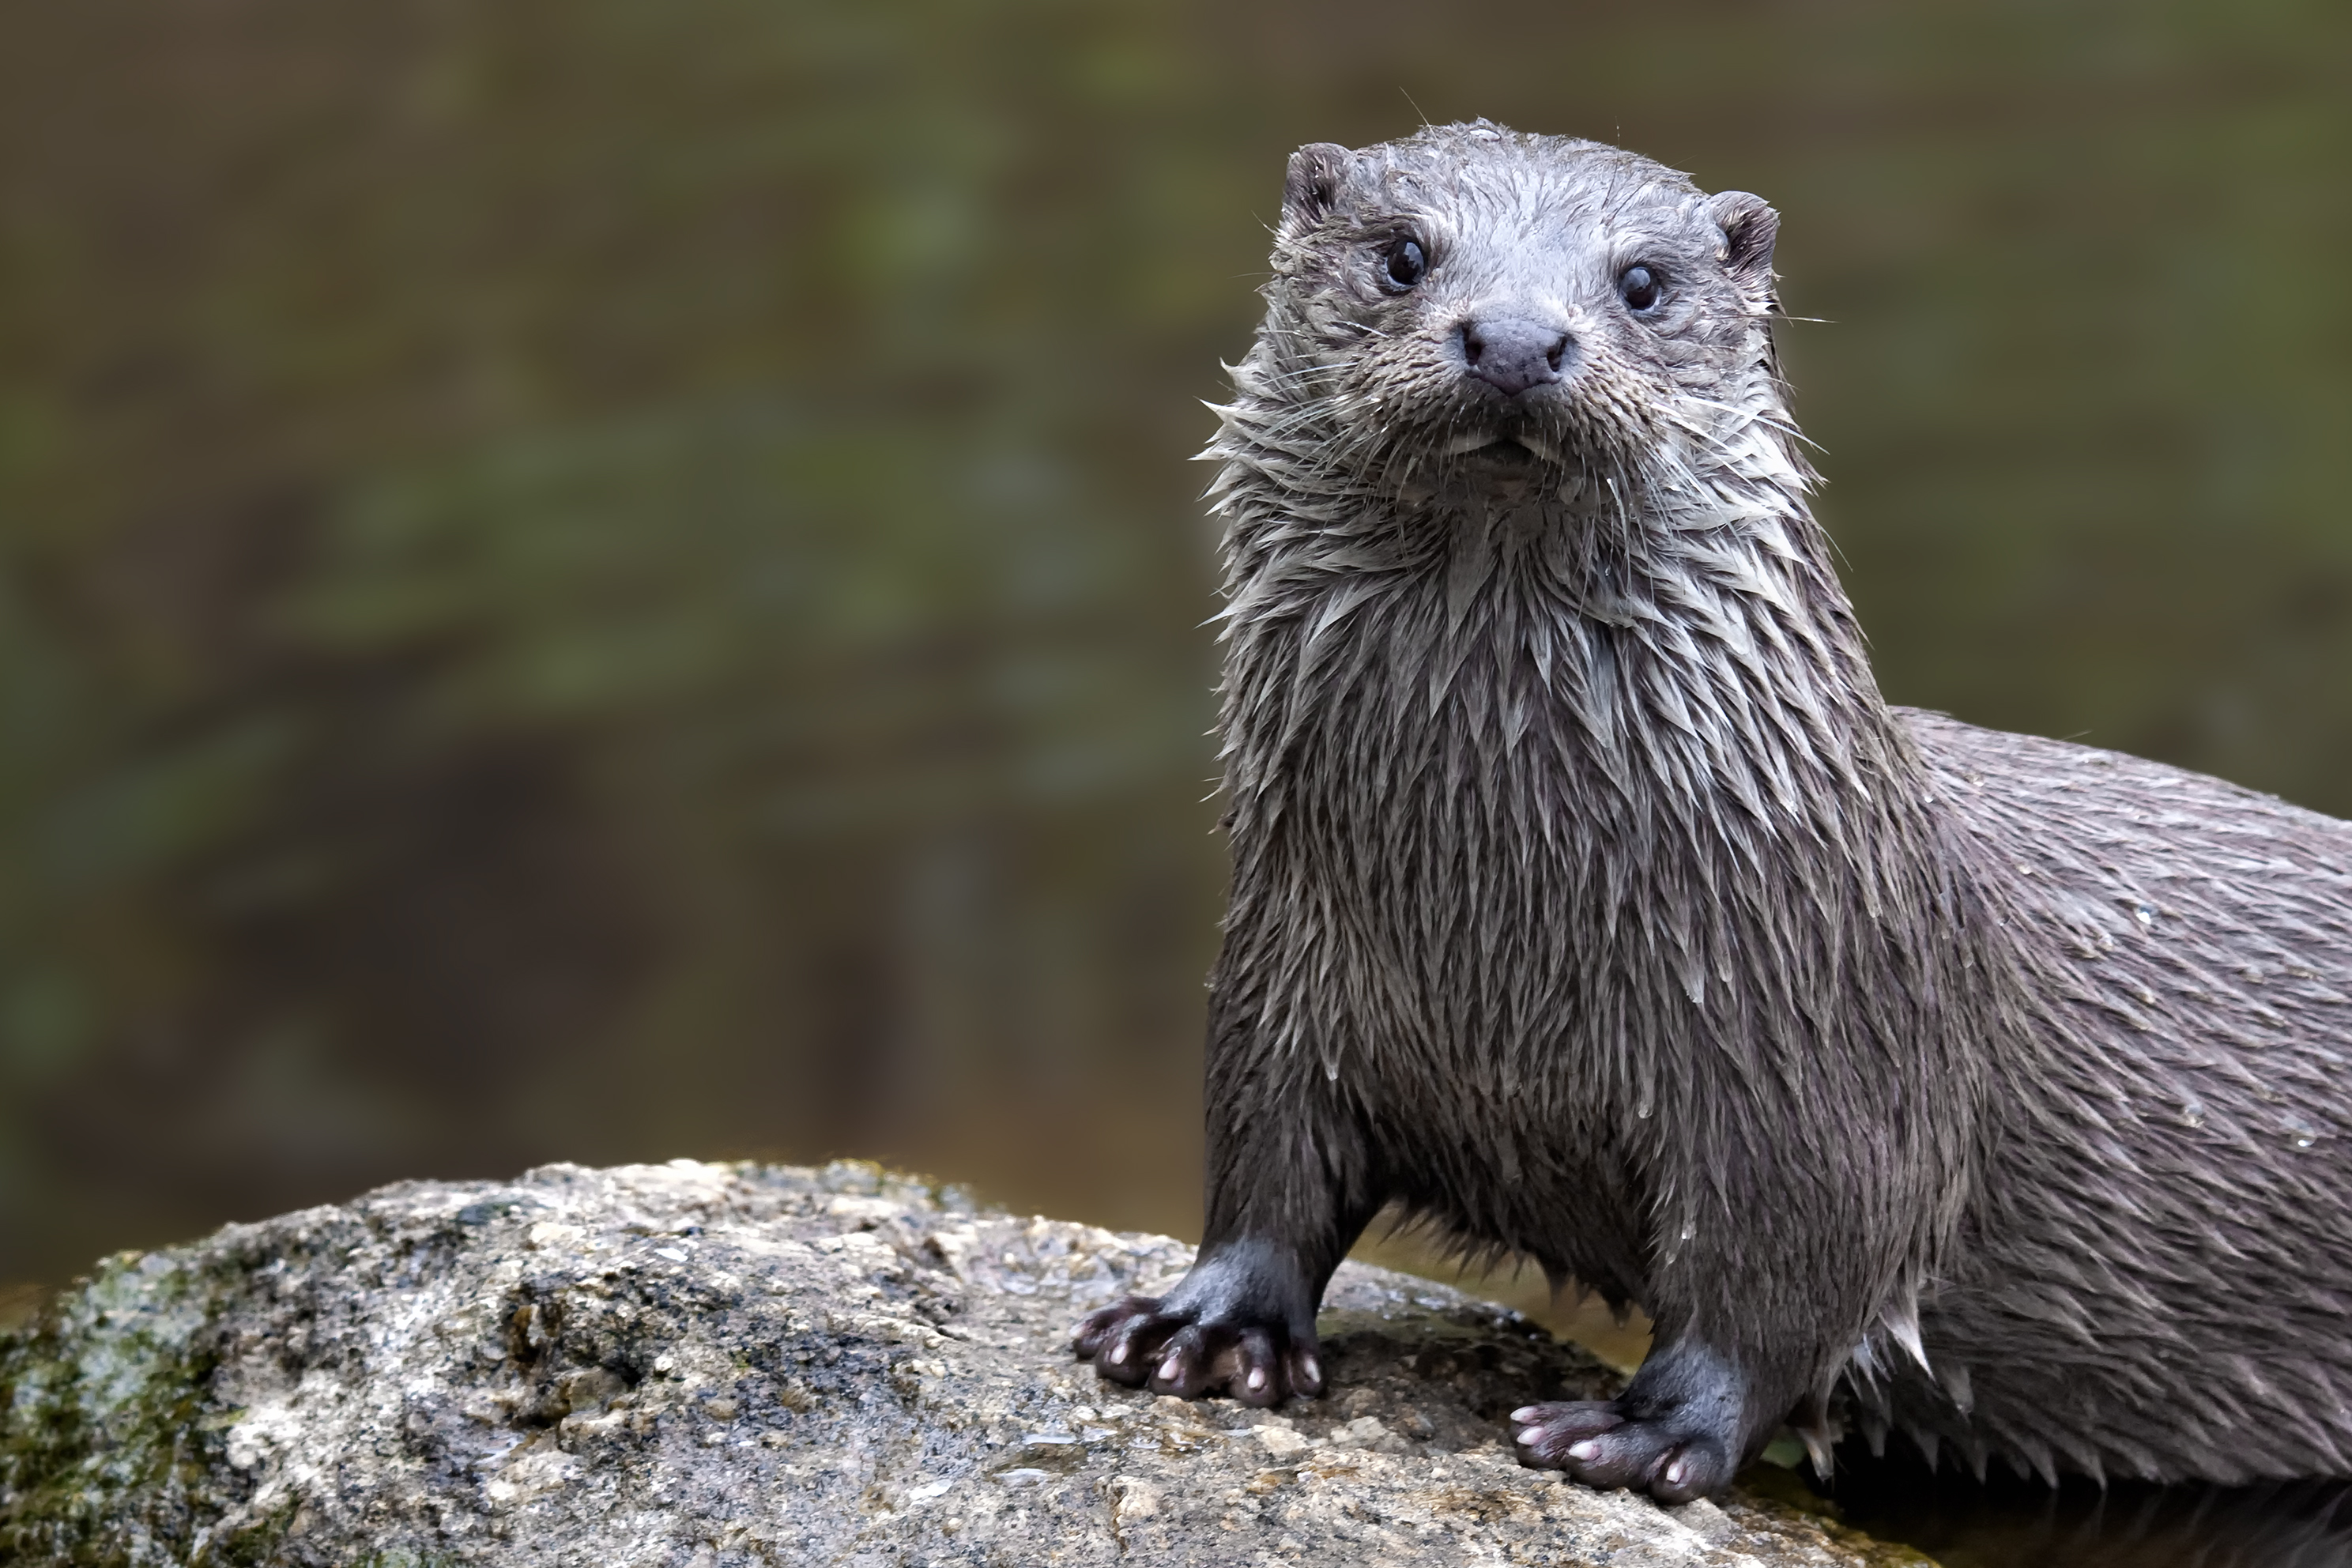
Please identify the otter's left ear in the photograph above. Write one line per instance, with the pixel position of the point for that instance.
(1749, 227)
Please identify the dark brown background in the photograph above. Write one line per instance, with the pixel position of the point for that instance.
(601, 580)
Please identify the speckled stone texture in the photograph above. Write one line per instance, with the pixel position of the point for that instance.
(701, 1366)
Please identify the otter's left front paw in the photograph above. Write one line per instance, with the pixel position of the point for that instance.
(1595, 1441)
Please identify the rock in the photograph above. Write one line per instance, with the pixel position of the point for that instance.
(695, 1366)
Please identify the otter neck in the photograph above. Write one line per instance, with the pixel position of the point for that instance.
(1677, 616)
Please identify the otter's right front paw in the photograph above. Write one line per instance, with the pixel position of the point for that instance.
(1175, 1351)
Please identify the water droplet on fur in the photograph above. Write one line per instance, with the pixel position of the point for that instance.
(1641, 1108)
(2145, 916)
(2301, 1134)
(2193, 1114)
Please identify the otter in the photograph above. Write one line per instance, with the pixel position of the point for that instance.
(1590, 903)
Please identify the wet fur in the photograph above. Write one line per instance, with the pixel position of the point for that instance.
(1591, 903)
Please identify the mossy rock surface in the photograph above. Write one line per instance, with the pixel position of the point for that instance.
(710, 1365)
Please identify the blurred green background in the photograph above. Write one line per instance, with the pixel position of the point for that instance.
(607, 580)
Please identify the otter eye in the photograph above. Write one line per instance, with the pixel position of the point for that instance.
(1640, 286)
(1406, 263)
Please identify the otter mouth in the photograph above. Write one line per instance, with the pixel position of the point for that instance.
(1503, 449)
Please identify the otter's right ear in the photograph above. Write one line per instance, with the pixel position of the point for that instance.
(1749, 227)
(1312, 186)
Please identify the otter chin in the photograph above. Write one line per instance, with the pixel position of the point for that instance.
(1589, 902)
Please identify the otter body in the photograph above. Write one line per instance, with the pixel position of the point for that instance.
(1591, 903)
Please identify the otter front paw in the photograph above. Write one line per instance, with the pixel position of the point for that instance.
(1677, 1432)
(1139, 1342)
(1673, 1460)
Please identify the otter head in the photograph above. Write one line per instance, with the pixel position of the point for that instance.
(1482, 303)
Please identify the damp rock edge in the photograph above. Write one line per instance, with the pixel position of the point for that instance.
(696, 1365)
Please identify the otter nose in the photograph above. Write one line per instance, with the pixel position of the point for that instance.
(1511, 353)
